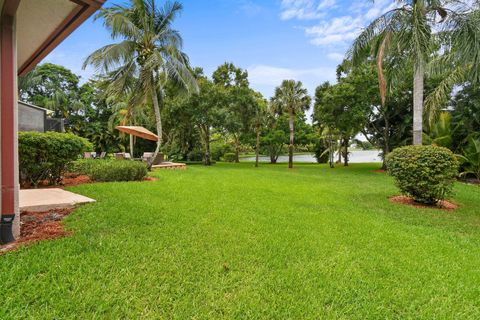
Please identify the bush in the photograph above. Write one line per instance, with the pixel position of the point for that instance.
(219, 148)
(111, 170)
(195, 155)
(321, 152)
(229, 157)
(46, 156)
(425, 173)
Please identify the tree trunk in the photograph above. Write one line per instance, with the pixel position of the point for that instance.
(386, 142)
(418, 84)
(292, 135)
(237, 149)
(257, 147)
(339, 146)
(208, 160)
(131, 146)
(345, 151)
(158, 122)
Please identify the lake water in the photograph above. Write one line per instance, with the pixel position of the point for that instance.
(354, 157)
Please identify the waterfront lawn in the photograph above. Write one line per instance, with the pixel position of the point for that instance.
(236, 242)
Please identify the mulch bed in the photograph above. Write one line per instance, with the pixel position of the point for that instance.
(380, 171)
(74, 180)
(68, 180)
(37, 226)
(441, 205)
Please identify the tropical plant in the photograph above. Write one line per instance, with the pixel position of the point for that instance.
(149, 51)
(407, 31)
(441, 132)
(292, 99)
(470, 159)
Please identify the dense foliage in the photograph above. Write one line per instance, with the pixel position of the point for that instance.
(425, 173)
(111, 170)
(46, 156)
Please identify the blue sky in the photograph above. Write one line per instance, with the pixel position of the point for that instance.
(273, 39)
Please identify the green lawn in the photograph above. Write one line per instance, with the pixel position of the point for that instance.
(237, 242)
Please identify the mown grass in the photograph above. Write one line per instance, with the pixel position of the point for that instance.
(237, 242)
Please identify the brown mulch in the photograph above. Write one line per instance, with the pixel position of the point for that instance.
(68, 180)
(37, 226)
(380, 171)
(74, 180)
(441, 205)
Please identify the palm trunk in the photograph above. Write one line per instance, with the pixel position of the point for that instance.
(257, 148)
(386, 142)
(158, 122)
(292, 135)
(418, 84)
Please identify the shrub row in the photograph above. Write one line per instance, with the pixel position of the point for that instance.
(46, 156)
(111, 170)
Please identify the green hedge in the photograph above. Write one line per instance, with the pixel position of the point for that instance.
(425, 173)
(46, 156)
(229, 157)
(111, 170)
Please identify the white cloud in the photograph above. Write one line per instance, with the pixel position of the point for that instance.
(270, 75)
(250, 8)
(334, 27)
(305, 9)
(335, 56)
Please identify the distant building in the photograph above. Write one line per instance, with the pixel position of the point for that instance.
(34, 118)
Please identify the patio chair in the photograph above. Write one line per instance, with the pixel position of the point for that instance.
(119, 156)
(147, 156)
(88, 155)
(127, 156)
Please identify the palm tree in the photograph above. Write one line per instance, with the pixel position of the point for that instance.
(409, 31)
(149, 51)
(290, 97)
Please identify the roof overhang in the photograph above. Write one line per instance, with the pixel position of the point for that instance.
(42, 25)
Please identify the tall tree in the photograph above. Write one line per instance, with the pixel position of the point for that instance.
(259, 121)
(240, 107)
(54, 87)
(150, 50)
(228, 75)
(291, 98)
(408, 31)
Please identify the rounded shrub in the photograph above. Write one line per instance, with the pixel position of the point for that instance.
(424, 173)
(111, 170)
(229, 157)
(46, 156)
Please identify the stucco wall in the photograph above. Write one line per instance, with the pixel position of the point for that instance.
(30, 118)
